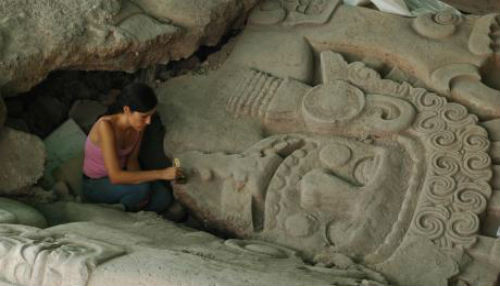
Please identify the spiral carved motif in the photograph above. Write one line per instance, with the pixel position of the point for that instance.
(468, 198)
(445, 140)
(431, 222)
(477, 165)
(456, 115)
(456, 191)
(446, 18)
(428, 121)
(475, 139)
(462, 228)
(427, 101)
(445, 164)
(456, 187)
(441, 189)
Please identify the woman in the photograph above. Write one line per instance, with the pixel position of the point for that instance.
(111, 169)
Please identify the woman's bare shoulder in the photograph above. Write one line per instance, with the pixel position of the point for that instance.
(102, 125)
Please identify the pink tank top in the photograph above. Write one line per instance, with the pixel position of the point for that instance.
(93, 162)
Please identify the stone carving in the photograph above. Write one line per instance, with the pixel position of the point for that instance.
(293, 12)
(459, 166)
(345, 32)
(157, 253)
(30, 257)
(356, 163)
(477, 7)
(484, 34)
(436, 26)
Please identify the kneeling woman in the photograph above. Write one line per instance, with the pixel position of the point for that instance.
(111, 168)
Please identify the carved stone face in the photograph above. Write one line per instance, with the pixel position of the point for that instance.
(357, 163)
(335, 186)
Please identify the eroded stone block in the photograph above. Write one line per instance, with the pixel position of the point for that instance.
(22, 158)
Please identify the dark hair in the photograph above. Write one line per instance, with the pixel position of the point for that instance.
(138, 96)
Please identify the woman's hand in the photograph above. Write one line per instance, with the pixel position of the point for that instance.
(171, 173)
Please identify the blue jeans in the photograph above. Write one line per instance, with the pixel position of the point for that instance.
(152, 196)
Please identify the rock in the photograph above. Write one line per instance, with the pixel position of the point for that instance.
(3, 112)
(22, 161)
(44, 114)
(118, 248)
(326, 167)
(62, 191)
(15, 212)
(476, 7)
(63, 144)
(70, 172)
(39, 37)
(86, 112)
(17, 124)
(15, 107)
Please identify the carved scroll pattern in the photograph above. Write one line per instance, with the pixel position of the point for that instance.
(253, 94)
(456, 189)
(28, 256)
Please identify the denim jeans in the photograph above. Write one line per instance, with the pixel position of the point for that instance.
(153, 196)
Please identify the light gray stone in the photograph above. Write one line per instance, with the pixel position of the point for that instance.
(15, 212)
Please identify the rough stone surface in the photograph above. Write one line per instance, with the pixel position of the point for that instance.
(62, 145)
(477, 6)
(305, 146)
(44, 115)
(103, 246)
(14, 212)
(22, 161)
(71, 173)
(86, 112)
(42, 36)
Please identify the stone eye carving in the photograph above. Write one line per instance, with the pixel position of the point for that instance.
(335, 155)
(332, 103)
(436, 26)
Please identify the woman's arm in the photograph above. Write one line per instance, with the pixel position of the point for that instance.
(116, 174)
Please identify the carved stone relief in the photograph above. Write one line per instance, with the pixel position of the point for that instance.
(112, 247)
(30, 257)
(357, 163)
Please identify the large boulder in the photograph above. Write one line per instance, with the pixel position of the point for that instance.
(22, 159)
(37, 37)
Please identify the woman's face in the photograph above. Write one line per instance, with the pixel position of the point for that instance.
(139, 120)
